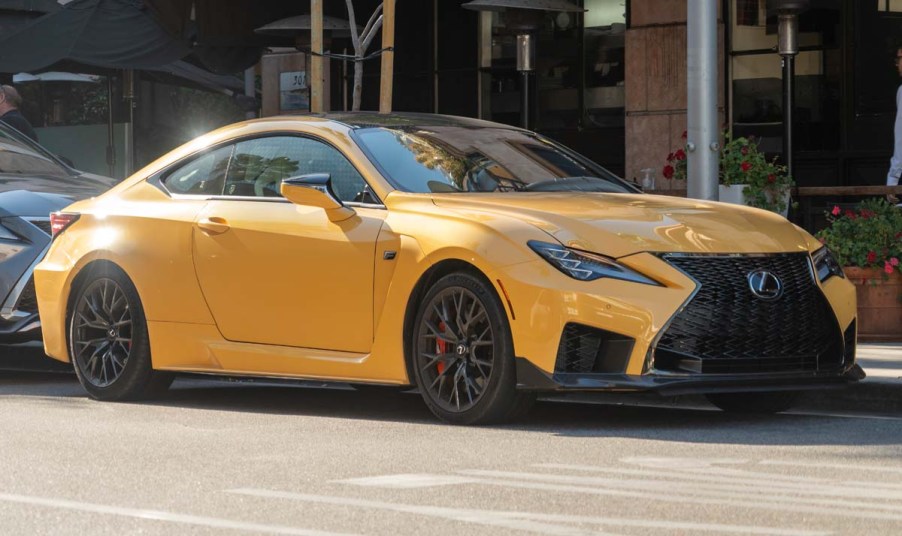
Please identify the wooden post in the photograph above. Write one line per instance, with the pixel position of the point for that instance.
(316, 58)
(388, 57)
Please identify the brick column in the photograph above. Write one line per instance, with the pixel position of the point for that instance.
(656, 85)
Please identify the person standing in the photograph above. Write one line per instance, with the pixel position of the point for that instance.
(895, 163)
(10, 100)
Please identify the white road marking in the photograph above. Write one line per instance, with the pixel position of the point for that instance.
(505, 518)
(755, 502)
(405, 481)
(710, 491)
(820, 486)
(482, 517)
(158, 515)
(879, 468)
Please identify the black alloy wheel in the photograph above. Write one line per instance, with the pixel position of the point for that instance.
(463, 354)
(108, 342)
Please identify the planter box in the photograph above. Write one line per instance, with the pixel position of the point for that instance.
(879, 303)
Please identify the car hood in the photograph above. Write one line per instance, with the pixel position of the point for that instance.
(81, 186)
(624, 224)
(31, 204)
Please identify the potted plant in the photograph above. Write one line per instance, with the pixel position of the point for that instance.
(746, 176)
(867, 242)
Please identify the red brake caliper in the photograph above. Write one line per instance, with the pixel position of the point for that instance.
(441, 347)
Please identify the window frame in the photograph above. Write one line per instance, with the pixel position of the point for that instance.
(158, 178)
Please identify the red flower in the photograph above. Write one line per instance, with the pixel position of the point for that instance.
(894, 261)
(835, 210)
(851, 215)
(771, 178)
(888, 268)
(872, 257)
(865, 213)
(679, 155)
(670, 157)
(668, 172)
(746, 167)
(744, 151)
(685, 134)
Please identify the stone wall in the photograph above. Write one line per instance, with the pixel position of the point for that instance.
(656, 85)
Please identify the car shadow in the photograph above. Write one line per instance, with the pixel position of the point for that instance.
(658, 419)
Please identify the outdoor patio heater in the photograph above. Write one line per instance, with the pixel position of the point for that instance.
(788, 47)
(523, 18)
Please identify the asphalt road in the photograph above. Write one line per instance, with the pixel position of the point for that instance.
(217, 457)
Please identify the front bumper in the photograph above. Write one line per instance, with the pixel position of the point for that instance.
(607, 335)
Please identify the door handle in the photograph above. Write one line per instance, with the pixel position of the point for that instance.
(214, 225)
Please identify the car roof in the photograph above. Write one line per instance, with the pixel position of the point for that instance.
(355, 120)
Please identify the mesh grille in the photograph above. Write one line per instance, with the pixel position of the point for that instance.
(28, 300)
(727, 329)
(585, 349)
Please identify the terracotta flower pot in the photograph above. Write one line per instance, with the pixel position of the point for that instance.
(879, 303)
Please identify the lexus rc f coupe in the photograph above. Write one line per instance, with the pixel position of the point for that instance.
(33, 183)
(478, 262)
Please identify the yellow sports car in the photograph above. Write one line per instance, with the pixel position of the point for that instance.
(479, 262)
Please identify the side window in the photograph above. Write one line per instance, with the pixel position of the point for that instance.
(259, 166)
(202, 176)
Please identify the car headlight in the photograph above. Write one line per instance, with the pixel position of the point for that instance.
(586, 266)
(825, 264)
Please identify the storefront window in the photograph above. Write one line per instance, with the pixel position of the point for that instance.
(757, 81)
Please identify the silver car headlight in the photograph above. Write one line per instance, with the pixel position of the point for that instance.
(826, 265)
(586, 266)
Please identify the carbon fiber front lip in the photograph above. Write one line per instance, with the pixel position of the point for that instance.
(529, 377)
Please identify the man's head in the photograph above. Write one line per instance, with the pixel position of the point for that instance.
(9, 99)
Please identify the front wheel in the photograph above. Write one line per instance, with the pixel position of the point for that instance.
(463, 354)
(755, 402)
(108, 342)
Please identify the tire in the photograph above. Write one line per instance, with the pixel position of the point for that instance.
(108, 342)
(462, 354)
(754, 402)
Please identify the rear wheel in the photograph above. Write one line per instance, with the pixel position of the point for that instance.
(463, 354)
(755, 402)
(108, 342)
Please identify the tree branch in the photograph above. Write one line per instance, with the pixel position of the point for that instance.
(372, 21)
(366, 40)
(355, 38)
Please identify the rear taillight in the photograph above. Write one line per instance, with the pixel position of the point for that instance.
(59, 221)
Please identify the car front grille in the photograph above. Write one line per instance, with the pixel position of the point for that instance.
(726, 329)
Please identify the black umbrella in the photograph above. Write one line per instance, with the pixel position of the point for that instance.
(117, 34)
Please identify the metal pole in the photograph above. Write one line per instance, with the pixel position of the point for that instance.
(788, 47)
(788, 105)
(129, 144)
(702, 132)
(111, 135)
(250, 89)
(526, 58)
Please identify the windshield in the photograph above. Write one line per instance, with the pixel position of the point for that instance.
(467, 159)
(20, 156)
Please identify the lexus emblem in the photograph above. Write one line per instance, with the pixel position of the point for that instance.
(765, 285)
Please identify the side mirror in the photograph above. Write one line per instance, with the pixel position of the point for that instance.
(315, 190)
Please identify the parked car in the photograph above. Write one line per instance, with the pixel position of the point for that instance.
(33, 183)
(480, 262)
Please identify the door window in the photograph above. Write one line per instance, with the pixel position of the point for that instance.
(259, 166)
(204, 175)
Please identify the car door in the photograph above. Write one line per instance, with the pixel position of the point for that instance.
(273, 272)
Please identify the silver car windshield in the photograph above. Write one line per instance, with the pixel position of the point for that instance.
(467, 159)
